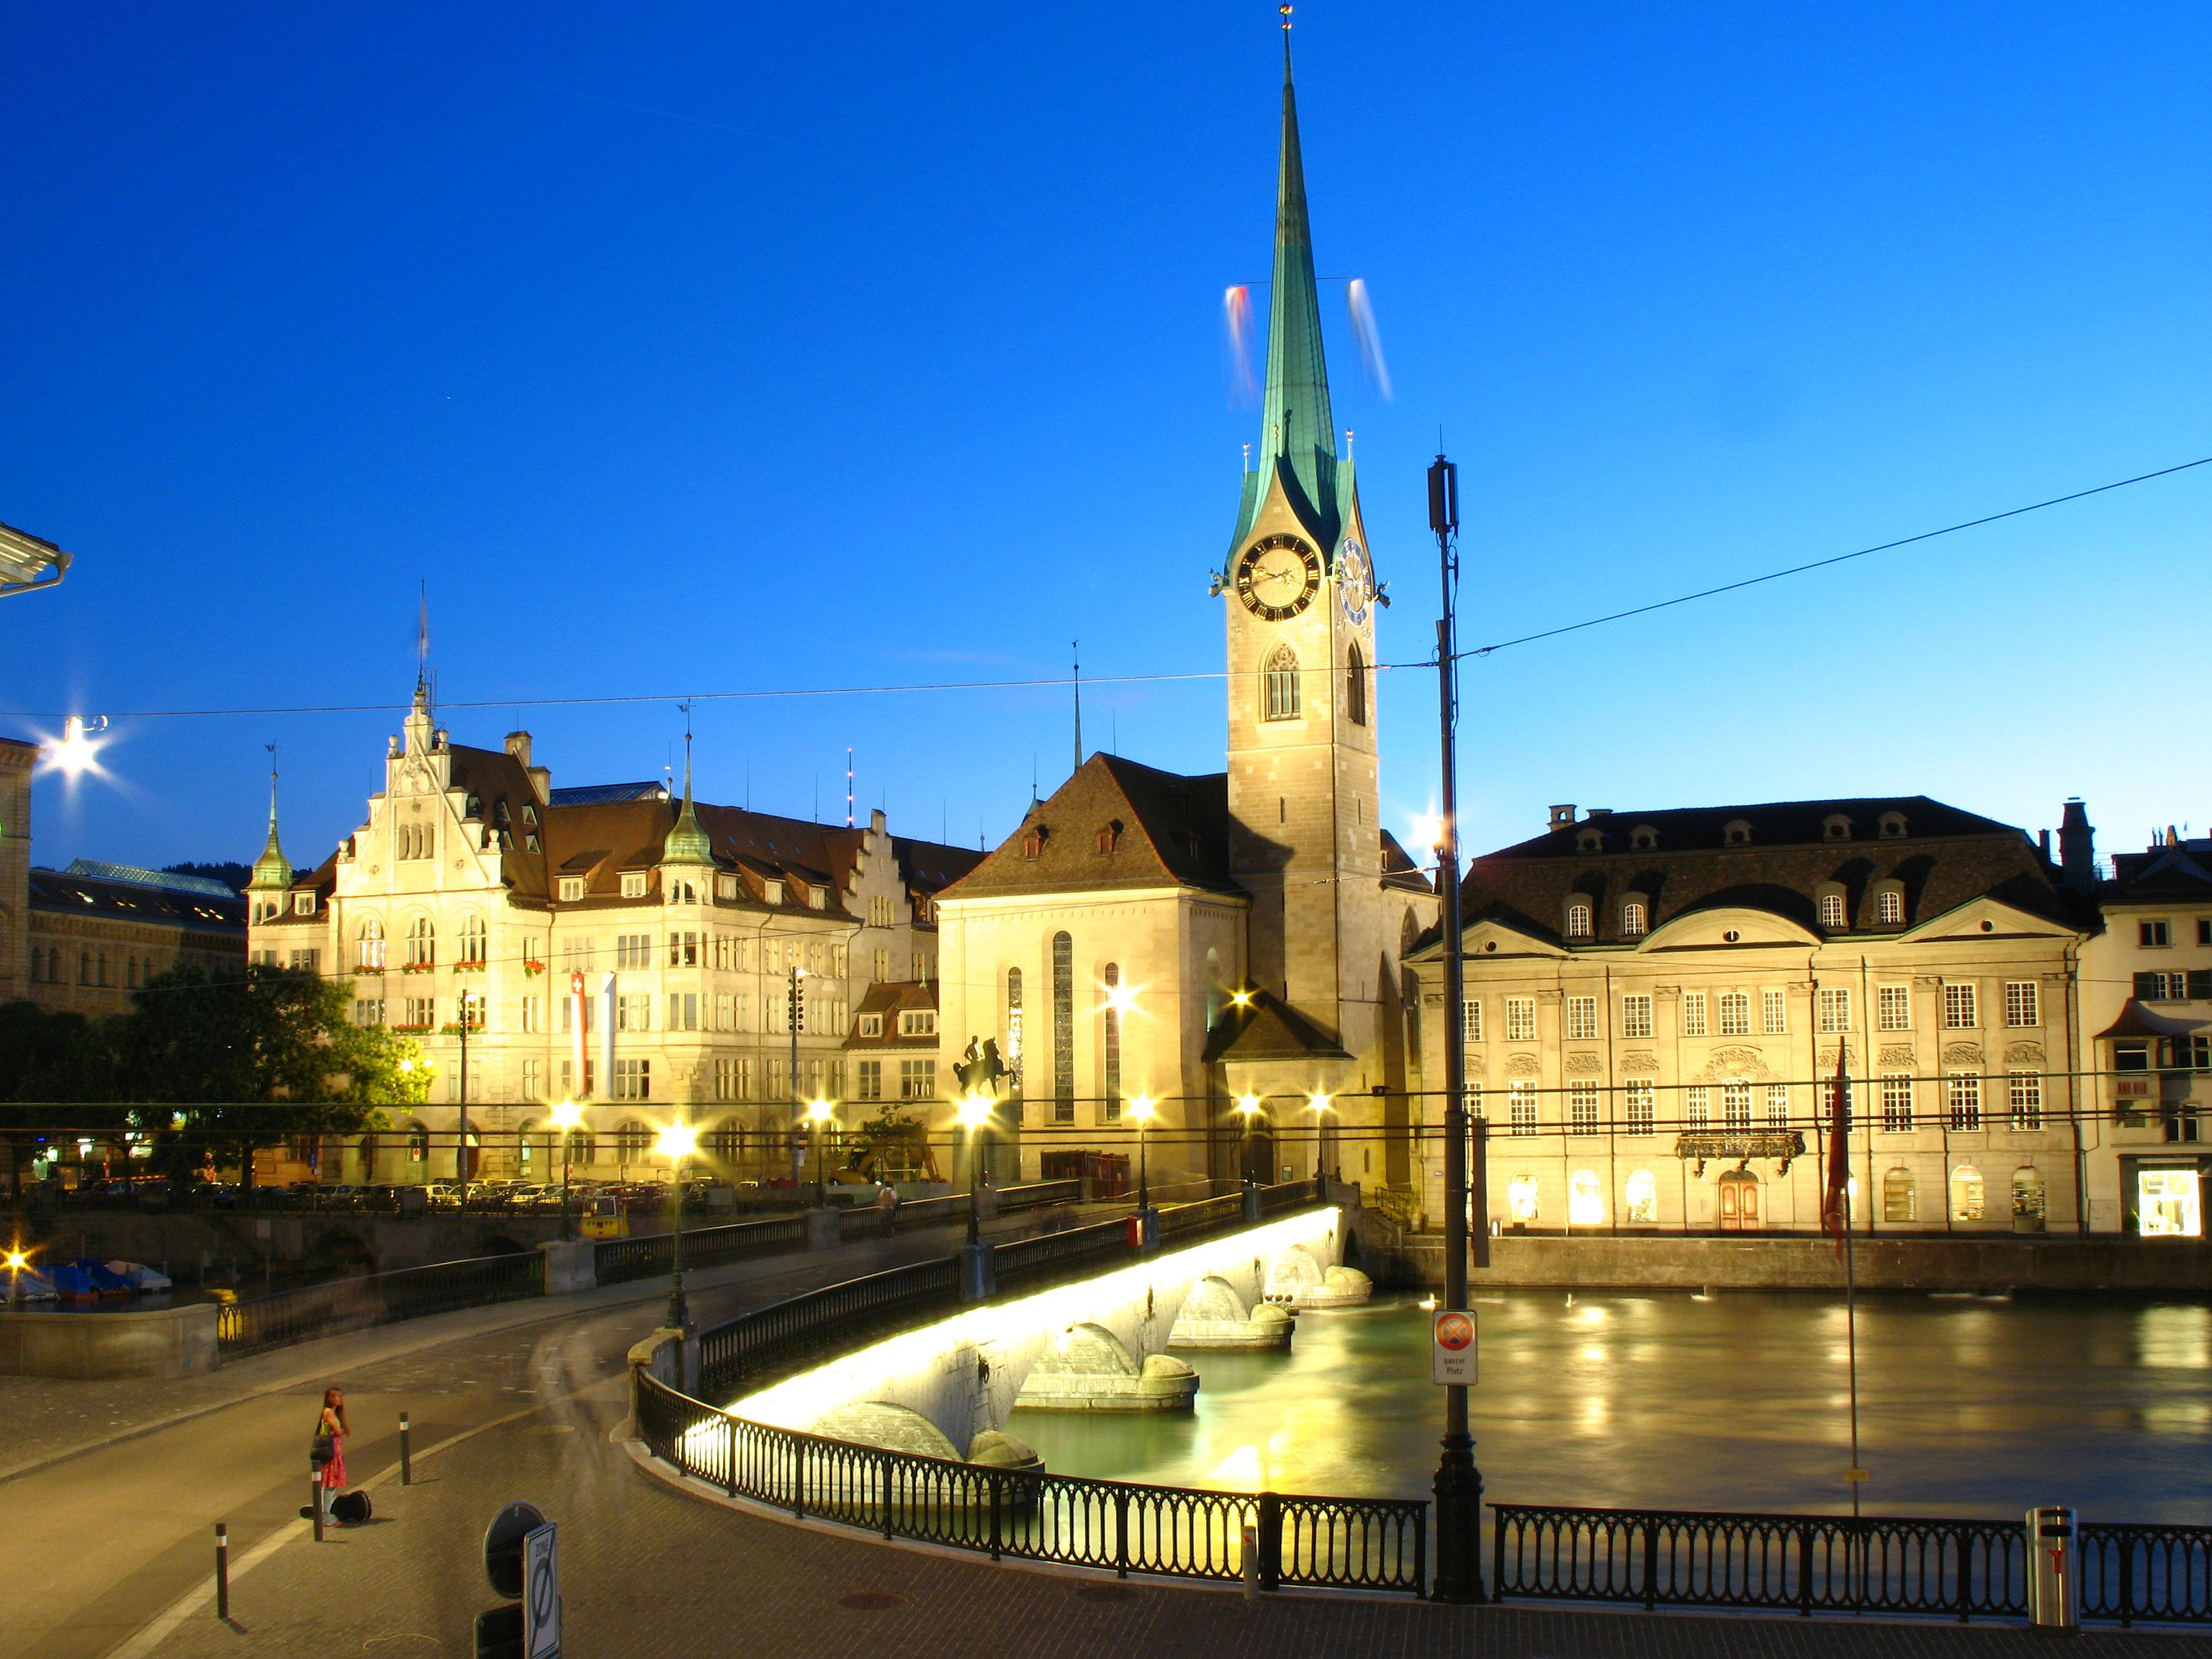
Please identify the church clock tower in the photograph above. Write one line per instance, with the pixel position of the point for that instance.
(1300, 594)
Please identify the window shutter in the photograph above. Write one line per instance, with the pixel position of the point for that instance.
(2200, 983)
(2148, 986)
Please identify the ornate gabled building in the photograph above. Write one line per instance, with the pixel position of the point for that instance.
(603, 944)
(1232, 937)
(1657, 1004)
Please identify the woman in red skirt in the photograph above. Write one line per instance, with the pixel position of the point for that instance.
(330, 1423)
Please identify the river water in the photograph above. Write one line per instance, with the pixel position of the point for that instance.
(1661, 1399)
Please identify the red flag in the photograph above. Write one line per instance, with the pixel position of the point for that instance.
(1835, 1203)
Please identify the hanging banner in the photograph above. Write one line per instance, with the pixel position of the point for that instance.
(1454, 1353)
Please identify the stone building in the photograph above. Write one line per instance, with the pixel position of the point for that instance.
(602, 944)
(1232, 937)
(1657, 1004)
(85, 938)
(2147, 1006)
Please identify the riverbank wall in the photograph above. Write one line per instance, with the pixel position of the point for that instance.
(1799, 1263)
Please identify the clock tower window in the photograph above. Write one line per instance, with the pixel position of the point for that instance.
(1355, 687)
(1278, 685)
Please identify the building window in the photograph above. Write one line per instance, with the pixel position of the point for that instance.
(634, 1013)
(2023, 1006)
(1470, 1021)
(368, 950)
(1694, 1013)
(308, 961)
(1063, 1029)
(633, 950)
(1736, 833)
(1778, 1105)
(2024, 1095)
(1889, 906)
(1471, 1097)
(1635, 1017)
(1520, 1108)
(1355, 687)
(1639, 1206)
(1578, 921)
(1965, 1193)
(683, 949)
(1835, 1007)
(1519, 1019)
(1520, 1202)
(2168, 1204)
(1581, 1110)
(1893, 1007)
(1581, 1018)
(882, 966)
(1897, 1101)
(1900, 1200)
(633, 884)
(1831, 910)
(1735, 1106)
(420, 1013)
(1736, 1014)
(1278, 685)
(1013, 1053)
(533, 1079)
(474, 946)
(1635, 919)
(1642, 1110)
(1774, 1013)
(1959, 1011)
(683, 1011)
(2154, 935)
(869, 1081)
(369, 1011)
(917, 1079)
(1585, 1200)
(422, 943)
(571, 889)
(1697, 1106)
(1962, 1099)
(633, 1081)
(917, 1022)
(2161, 988)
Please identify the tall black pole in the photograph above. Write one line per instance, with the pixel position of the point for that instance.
(679, 1316)
(1459, 1483)
(461, 1157)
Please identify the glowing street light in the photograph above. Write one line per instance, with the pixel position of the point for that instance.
(1121, 999)
(1320, 1106)
(972, 1113)
(820, 1114)
(77, 751)
(1248, 1107)
(677, 1142)
(17, 1261)
(567, 1118)
(1144, 1108)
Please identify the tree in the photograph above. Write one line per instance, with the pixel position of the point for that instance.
(58, 1073)
(255, 1055)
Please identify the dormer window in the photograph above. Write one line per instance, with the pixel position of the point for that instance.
(871, 1026)
(1590, 841)
(1644, 838)
(726, 887)
(1578, 919)
(475, 808)
(1892, 823)
(303, 904)
(1033, 840)
(571, 889)
(917, 1022)
(529, 813)
(633, 884)
(772, 889)
(1889, 906)
(680, 892)
(1835, 827)
(1109, 837)
(1635, 919)
(1735, 833)
(817, 896)
(1832, 911)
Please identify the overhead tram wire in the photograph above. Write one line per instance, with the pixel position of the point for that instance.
(1056, 682)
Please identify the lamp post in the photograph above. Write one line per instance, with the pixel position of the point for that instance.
(1320, 1106)
(819, 1114)
(974, 1113)
(461, 1156)
(794, 1016)
(567, 1117)
(1144, 1108)
(677, 1142)
(16, 1260)
(1248, 1107)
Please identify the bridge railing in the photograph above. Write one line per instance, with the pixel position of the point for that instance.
(747, 1350)
(349, 1304)
(1119, 1526)
(2152, 1573)
(616, 1261)
(1031, 1263)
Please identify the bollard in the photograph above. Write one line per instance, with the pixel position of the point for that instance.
(406, 1452)
(1251, 1563)
(315, 1496)
(2054, 1595)
(221, 1570)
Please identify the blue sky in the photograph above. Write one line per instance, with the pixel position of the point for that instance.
(702, 348)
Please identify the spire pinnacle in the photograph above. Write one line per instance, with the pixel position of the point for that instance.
(272, 868)
(687, 842)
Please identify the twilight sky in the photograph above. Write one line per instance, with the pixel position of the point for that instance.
(755, 349)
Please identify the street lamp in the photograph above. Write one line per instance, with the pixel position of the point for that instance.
(1144, 1108)
(1249, 1108)
(819, 1114)
(975, 1111)
(567, 1118)
(461, 1170)
(17, 1261)
(1320, 1106)
(677, 1142)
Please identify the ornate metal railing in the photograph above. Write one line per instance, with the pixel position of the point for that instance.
(1117, 1526)
(618, 1259)
(1802, 1564)
(1031, 1263)
(2148, 1572)
(1030, 1194)
(1185, 1218)
(749, 1349)
(347, 1304)
(1273, 1200)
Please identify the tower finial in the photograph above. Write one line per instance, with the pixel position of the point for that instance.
(1077, 647)
(687, 842)
(272, 868)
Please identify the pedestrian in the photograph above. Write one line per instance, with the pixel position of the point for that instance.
(329, 1451)
(887, 1202)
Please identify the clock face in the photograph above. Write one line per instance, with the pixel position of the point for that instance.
(1357, 582)
(1278, 577)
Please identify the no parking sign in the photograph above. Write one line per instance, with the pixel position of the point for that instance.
(1455, 1351)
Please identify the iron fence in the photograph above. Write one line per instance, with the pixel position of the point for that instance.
(1030, 1263)
(1030, 1194)
(616, 1260)
(2148, 1572)
(1803, 1564)
(1182, 1219)
(1288, 1195)
(1118, 1526)
(346, 1304)
(747, 1350)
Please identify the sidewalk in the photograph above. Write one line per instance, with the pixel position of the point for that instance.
(110, 1513)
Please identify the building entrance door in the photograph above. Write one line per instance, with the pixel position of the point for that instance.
(1739, 1202)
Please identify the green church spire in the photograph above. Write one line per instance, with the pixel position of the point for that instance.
(1297, 434)
(272, 868)
(687, 842)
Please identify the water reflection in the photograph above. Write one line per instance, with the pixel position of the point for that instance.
(1738, 1402)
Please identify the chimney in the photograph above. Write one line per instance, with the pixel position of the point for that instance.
(1562, 817)
(2077, 846)
(518, 744)
(2043, 844)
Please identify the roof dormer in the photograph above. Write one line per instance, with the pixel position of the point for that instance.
(1835, 827)
(1737, 832)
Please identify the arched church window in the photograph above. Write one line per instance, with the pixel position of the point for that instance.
(1063, 1029)
(1278, 685)
(1355, 687)
(1109, 1109)
(1635, 919)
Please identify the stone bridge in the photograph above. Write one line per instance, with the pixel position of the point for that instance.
(948, 1389)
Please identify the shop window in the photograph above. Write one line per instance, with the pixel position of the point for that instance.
(2167, 1205)
(1966, 1194)
(1900, 1198)
(1585, 1200)
(2028, 1199)
(1521, 1202)
(1640, 1200)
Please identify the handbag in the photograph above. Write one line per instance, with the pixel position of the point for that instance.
(324, 1450)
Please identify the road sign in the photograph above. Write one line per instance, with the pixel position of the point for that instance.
(541, 1594)
(1455, 1354)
